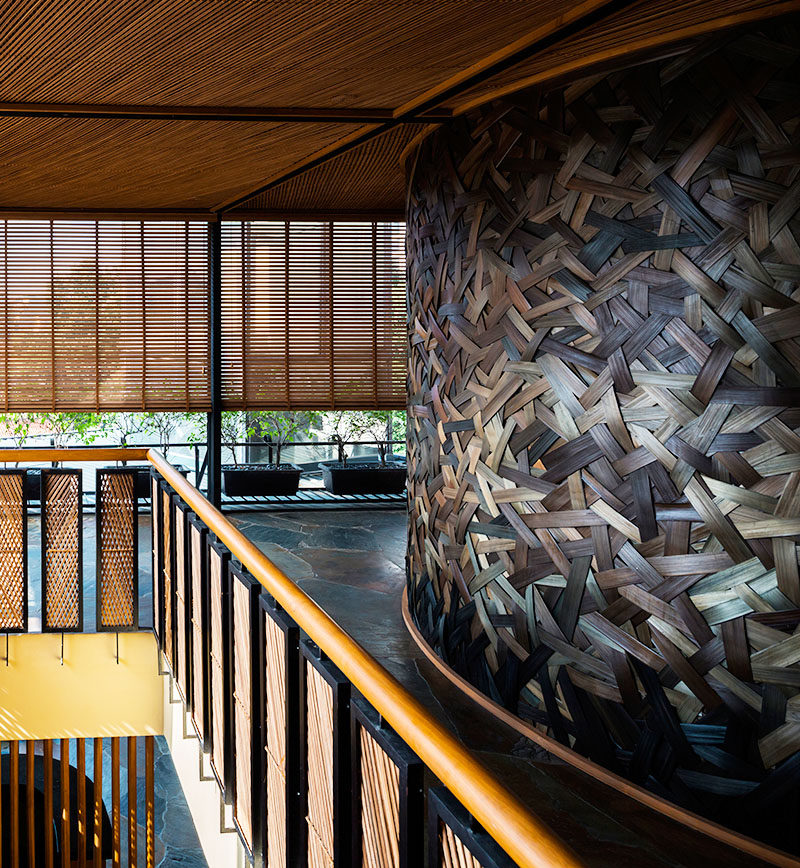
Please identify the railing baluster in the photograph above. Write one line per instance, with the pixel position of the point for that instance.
(81, 769)
(455, 839)
(198, 572)
(182, 597)
(326, 760)
(248, 777)
(220, 653)
(388, 816)
(66, 844)
(97, 825)
(285, 827)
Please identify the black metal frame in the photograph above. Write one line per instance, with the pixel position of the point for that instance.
(181, 512)
(445, 808)
(156, 544)
(342, 767)
(169, 653)
(411, 790)
(215, 548)
(116, 471)
(22, 472)
(257, 777)
(46, 473)
(294, 832)
(214, 418)
(201, 682)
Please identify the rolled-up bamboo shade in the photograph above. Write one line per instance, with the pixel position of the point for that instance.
(313, 315)
(103, 315)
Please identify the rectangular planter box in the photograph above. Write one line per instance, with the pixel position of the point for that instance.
(358, 478)
(260, 480)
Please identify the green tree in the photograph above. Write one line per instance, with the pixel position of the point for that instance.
(280, 427)
(163, 426)
(85, 427)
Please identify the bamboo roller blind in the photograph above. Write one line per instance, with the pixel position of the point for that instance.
(103, 316)
(313, 315)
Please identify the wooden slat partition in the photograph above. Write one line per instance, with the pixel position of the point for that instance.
(82, 814)
(97, 826)
(30, 788)
(150, 801)
(455, 840)
(79, 295)
(314, 315)
(62, 551)
(220, 664)
(13, 800)
(198, 573)
(49, 819)
(247, 710)
(326, 761)
(182, 598)
(133, 848)
(157, 554)
(116, 819)
(388, 815)
(65, 839)
(13, 552)
(166, 519)
(117, 574)
(285, 837)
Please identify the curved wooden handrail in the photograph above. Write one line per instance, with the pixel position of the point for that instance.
(526, 838)
(657, 803)
(77, 453)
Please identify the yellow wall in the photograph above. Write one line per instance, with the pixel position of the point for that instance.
(90, 695)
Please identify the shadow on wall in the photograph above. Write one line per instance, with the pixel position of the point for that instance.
(604, 460)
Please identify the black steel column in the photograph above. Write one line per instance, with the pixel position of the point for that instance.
(214, 423)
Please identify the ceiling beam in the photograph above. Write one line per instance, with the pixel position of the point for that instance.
(274, 114)
(577, 18)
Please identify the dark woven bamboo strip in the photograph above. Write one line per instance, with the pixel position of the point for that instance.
(604, 428)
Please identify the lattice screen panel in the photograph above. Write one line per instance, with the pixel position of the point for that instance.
(117, 550)
(13, 552)
(62, 551)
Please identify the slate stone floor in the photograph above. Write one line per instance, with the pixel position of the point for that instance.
(352, 562)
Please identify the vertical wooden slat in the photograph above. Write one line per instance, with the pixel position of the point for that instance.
(13, 793)
(132, 818)
(29, 801)
(166, 565)
(220, 664)
(199, 630)
(155, 544)
(98, 803)
(49, 855)
(182, 598)
(454, 841)
(1, 815)
(65, 806)
(81, 767)
(116, 856)
(150, 800)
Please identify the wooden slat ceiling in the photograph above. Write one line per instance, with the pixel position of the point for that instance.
(354, 70)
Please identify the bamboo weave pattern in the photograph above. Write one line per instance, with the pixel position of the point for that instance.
(12, 551)
(118, 538)
(63, 585)
(604, 457)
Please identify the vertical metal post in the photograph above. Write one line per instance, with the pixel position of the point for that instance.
(214, 421)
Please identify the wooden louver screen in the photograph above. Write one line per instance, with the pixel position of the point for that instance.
(103, 315)
(314, 315)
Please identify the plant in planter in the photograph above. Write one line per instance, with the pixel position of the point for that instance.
(364, 476)
(276, 428)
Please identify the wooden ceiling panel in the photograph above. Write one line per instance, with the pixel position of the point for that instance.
(50, 163)
(644, 29)
(370, 177)
(240, 52)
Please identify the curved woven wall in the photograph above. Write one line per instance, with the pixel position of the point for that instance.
(605, 399)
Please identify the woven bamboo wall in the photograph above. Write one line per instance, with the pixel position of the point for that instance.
(604, 456)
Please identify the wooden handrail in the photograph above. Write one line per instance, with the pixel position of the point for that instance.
(77, 453)
(526, 838)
